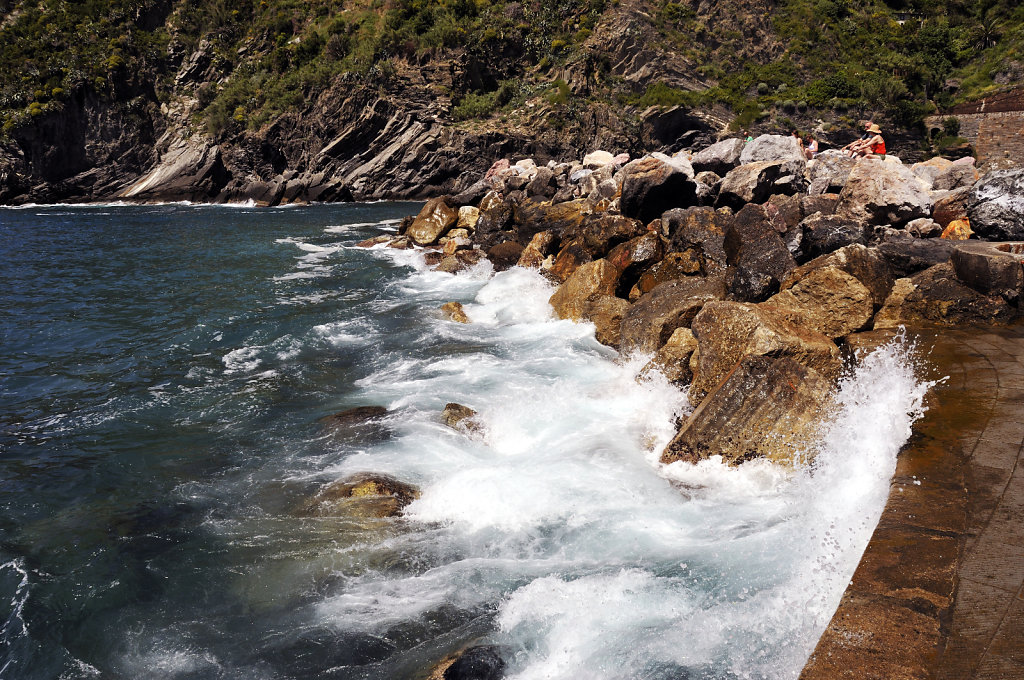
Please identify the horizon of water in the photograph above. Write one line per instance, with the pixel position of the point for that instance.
(163, 371)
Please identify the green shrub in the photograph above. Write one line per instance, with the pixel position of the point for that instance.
(951, 126)
(561, 94)
(474, 105)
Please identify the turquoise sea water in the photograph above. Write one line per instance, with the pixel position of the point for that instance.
(162, 373)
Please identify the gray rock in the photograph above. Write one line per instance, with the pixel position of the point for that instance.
(750, 183)
(650, 186)
(829, 171)
(719, 158)
(996, 206)
(783, 148)
(878, 192)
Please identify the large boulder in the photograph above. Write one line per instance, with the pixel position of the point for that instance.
(591, 279)
(829, 171)
(766, 407)
(907, 255)
(606, 313)
(934, 297)
(494, 220)
(650, 322)
(650, 186)
(996, 206)
(634, 257)
(867, 265)
(699, 232)
(719, 158)
(991, 268)
(827, 300)
(673, 359)
(956, 176)
(503, 255)
(728, 331)
(783, 148)
(531, 217)
(671, 267)
(601, 234)
(433, 220)
(883, 193)
(571, 256)
(753, 246)
(751, 183)
(823, 234)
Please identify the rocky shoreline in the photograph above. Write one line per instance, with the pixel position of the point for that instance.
(744, 271)
(750, 276)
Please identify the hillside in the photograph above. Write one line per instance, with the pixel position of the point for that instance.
(278, 100)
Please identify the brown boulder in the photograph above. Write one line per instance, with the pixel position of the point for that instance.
(673, 266)
(728, 331)
(754, 247)
(594, 278)
(573, 254)
(606, 312)
(650, 322)
(766, 407)
(673, 359)
(866, 264)
(827, 300)
(952, 206)
(701, 230)
(602, 234)
(374, 241)
(504, 255)
(531, 217)
(433, 220)
(934, 297)
(538, 249)
(364, 495)
(459, 417)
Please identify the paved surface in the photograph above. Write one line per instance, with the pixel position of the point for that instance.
(939, 592)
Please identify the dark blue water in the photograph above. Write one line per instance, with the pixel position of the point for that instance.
(128, 428)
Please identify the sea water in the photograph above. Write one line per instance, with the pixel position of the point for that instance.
(162, 373)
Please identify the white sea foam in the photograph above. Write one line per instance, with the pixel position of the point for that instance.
(602, 561)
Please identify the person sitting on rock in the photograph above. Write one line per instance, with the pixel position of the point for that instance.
(851, 148)
(798, 138)
(874, 145)
(810, 147)
(747, 137)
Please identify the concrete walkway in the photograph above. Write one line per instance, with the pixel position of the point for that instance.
(939, 592)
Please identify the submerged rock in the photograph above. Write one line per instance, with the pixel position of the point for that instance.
(766, 407)
(459, 417)
(362, 422)
(454, 312)
(362, 495)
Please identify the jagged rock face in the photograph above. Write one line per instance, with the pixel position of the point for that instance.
(935, 297)
(633, 257)
(673, 266)
(996, 206)
(606, 313)
(602, 234)
(766, 407)
(727, 332)
(883, 193)
(673, 359)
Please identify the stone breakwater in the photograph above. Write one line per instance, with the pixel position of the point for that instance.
(744, 271)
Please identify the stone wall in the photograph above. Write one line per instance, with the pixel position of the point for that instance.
(994, 126)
